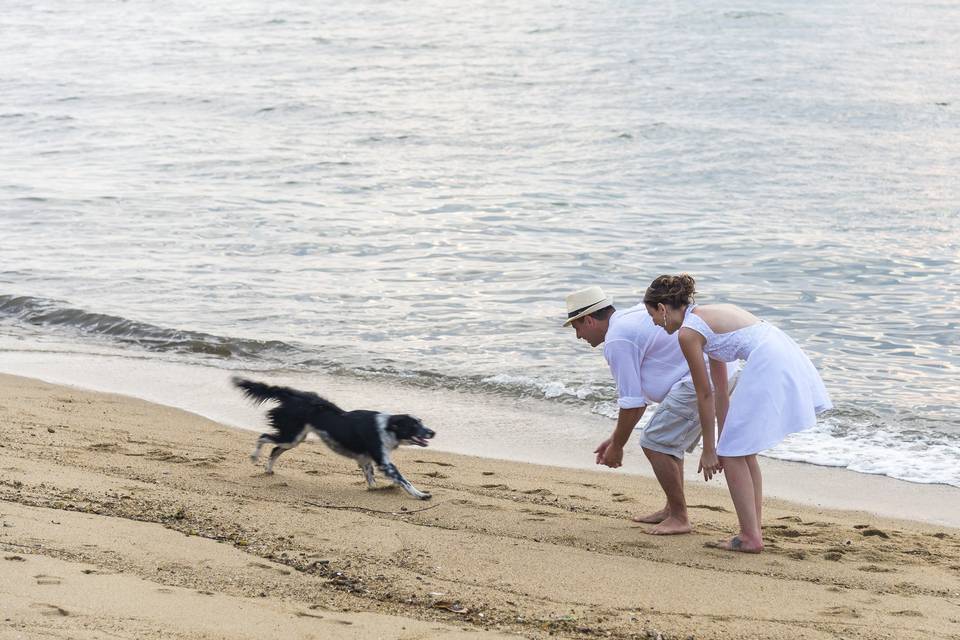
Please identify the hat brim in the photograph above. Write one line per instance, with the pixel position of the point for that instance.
(606, 302)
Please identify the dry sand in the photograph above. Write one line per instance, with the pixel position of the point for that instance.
(120, 518)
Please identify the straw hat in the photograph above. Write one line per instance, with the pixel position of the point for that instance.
(584, 302)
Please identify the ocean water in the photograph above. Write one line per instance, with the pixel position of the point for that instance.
(406, 192)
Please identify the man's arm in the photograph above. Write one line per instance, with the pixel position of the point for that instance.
(610, 452)
(624, 359)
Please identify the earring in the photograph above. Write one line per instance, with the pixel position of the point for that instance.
(664, 318)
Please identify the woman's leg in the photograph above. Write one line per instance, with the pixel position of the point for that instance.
(745, 499)
(754, 466)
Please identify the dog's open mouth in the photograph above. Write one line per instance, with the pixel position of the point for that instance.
(420, 442)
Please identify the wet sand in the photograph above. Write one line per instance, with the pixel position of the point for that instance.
(121, 518)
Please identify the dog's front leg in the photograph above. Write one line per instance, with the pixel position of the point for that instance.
(393, 473)
(366, 465)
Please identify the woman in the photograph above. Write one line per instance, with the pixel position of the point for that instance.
(779, 391)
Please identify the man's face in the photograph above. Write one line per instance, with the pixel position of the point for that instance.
(589, 329)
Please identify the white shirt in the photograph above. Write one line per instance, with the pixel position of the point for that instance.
(644, 359)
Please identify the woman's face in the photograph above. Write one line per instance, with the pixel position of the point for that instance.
(662, 316)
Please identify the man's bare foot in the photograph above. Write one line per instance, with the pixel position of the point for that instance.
(671, 527)
(736, 543)
(653, 518)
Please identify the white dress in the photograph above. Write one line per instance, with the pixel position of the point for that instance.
(779, 392)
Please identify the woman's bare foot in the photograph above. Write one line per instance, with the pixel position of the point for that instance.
(653, 518)
(736, 543)
(672, 526)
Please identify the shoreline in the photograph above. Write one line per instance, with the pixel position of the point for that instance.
(474, 424)
(151, 522)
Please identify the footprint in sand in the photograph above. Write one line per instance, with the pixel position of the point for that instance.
(709, 507)
(439, 464)
(104, 446)
(50, 609)
(909, 613)
(15, 558)
(163, 455)
(304, 614)
(487, 473)
(907, 588)
(538, 492)
(260, 565)
(547, 514)
(495, 486)
(638, 544)
(783, 530)
(476, 505)
(872, 568)
(435, 474)
(845, 612)
(42, 579)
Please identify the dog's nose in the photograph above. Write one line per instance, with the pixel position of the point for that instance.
(429, 433)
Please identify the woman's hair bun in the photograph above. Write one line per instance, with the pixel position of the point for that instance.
(674, 291)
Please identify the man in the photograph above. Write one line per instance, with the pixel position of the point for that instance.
(648, 367)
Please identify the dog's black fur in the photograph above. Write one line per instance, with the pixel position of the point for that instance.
(366, 436)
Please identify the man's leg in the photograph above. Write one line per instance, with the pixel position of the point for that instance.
(657, 516)
(669, 472)
(673, 429)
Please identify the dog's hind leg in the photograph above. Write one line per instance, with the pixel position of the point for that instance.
(284, 443)
(366, 465)
(393, 473)
(277, 450)
(266, 438)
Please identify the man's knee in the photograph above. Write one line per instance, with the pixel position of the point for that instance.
(653, 454)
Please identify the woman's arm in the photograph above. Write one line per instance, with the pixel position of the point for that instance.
(721, 394)
(691, 343)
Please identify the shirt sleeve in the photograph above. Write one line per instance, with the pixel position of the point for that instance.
(623, 358)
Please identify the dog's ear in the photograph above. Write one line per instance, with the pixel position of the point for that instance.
(403, 424)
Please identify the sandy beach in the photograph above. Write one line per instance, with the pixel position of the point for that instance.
(121, 518)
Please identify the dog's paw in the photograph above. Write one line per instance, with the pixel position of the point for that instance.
(254, 458)
(424, 496)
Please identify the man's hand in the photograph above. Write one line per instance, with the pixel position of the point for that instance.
(602, 450)
(709, 464)
(610, 454)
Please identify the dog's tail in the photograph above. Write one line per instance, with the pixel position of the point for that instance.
(260, 393)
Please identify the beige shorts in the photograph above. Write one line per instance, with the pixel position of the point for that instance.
(675, 427)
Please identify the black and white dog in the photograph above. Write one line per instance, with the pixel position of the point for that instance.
(366, 436)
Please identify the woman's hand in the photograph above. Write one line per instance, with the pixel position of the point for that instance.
(710, 464)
